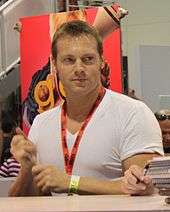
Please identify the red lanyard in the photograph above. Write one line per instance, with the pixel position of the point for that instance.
(70, 158)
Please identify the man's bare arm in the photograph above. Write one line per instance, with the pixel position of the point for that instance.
(49, 178)
(23, 186)
(138, 159)
(24, 151)
(94, 186)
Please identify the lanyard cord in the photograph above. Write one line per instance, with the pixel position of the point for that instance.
(69, 159)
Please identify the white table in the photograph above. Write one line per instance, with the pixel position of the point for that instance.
(83, 203)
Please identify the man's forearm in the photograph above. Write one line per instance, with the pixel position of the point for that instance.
(93, 186)
(23, 185)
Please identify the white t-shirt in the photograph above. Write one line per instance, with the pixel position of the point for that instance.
(119, 128)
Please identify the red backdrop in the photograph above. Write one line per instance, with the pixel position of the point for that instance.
(35, 49)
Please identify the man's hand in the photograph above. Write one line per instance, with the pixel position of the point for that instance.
(23, 150)
(50, 179)
(135, 183)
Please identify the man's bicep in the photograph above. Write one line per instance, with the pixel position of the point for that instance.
(138, 159)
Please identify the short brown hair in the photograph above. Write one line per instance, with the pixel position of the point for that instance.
(75, 29)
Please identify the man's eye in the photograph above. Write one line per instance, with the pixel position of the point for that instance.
(68, 60)
(88, 60)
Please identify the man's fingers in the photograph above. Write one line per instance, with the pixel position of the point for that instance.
(137, 172)
(20, 132)
(39, 176)
(44, 184)
(131, 184)
(37, 169)
(147, 179)
(23, 149)
(132, 180)
(135, 182)
(17, 141)
(31, 151)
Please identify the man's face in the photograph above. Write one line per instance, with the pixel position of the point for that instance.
(78, 64)
(165, 128)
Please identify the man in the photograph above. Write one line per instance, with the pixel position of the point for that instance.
(95, 136)
(163, 117)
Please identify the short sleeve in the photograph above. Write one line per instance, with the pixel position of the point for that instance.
(140, 132)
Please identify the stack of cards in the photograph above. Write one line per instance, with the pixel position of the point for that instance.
(159, 170)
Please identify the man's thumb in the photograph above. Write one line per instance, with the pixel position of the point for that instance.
(20, 132)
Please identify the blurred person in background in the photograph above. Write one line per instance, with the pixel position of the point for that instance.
(8, 130)
(9, 166)
(163, 117)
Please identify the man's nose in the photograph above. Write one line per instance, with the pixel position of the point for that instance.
(79, 66)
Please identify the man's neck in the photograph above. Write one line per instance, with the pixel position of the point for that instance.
(78, 107)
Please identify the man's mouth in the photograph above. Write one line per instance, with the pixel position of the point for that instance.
(79, 79)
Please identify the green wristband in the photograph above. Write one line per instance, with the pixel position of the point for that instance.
(74, 184)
